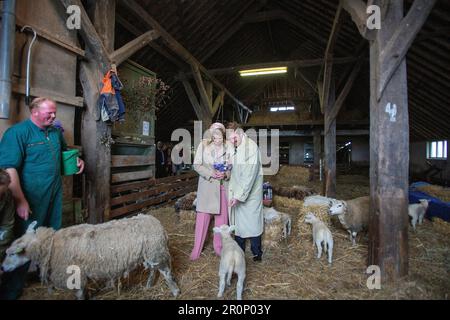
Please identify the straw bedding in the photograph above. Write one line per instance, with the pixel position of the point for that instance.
(288, 271)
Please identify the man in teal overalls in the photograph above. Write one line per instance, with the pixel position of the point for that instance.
(30, 152)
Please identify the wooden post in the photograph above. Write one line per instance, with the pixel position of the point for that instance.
(389, 159)
(99, 39)
(317, 153)
(329, 182)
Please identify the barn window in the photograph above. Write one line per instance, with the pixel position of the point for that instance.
(437, 150)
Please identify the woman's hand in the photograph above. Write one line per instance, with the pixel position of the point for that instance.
(23, 209)
(218, 175)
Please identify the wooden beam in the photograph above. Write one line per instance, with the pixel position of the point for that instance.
(206, 103)
(329, 182)
(397, 47)
(175, 46)
(317, 153)
(209, 91)
(52, 38)
(289, 63)
(332, 114)
(218, 102)
(135, 31)
(57, 96)
(328, 67)
(358, 12)
(122, 54)
(389, 138)
(128, 161)
(199, 110)
(97, 154)
(90, 36)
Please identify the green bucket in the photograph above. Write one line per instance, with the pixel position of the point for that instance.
(69, 159)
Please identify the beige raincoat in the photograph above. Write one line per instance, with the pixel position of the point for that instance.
(246, 185)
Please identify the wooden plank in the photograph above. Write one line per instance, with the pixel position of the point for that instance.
(57, 96)
(129, 176)
(142, 195)
(397, 47)
(389, 138)
(126, 161)
(53, 39)
(148, 203)
(151, 182)
(190, 175)
(126, 51)
(132, 186)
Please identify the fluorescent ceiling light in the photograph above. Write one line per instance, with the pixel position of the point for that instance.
(254, 72)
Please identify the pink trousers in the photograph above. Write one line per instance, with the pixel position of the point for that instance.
(202, 225)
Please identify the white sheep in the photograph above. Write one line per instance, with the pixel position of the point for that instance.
(353, 215)
(417, 212)
(321, 234)
(232, 259)
(105, 251)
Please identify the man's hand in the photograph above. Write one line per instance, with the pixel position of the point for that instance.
(233, 202)
(23, 209)
(80, 164)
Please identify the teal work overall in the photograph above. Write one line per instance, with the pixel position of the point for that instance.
(36, 155)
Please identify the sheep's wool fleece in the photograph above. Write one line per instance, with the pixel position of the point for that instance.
(107, 251)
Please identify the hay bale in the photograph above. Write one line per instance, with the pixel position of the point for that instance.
(291, 175)
(320, 211)
(441, 226)
(436, 191)
(283, 202)
(276, 227)
(296, 192)
(187, 216)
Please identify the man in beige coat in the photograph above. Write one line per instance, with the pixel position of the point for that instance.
(246, 191)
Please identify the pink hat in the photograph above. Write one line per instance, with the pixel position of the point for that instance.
(217, 125)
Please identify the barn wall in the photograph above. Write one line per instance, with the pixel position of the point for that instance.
(53, 68)
(296, 152)
(418, 162)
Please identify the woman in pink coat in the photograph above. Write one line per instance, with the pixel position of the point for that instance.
(212, 187)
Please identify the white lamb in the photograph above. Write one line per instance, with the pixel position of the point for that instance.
(232, 260)
(104, 251)
(417, 212)
(321, 233)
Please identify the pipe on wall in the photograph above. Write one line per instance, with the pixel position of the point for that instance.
(7, 34)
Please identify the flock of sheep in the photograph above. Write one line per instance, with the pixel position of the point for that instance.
(113, 249)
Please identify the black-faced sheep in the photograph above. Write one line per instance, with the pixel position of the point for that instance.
(321, 234)
(417, 212)
(105, 251)
(232, 259)
(353, 215)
